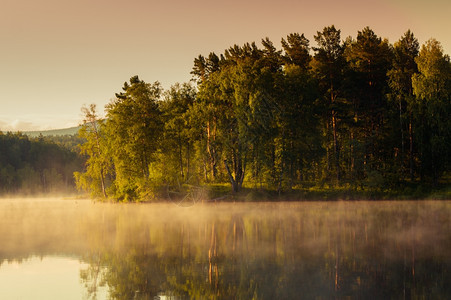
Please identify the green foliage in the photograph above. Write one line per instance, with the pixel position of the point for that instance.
(368, 59)
(36, 165)
(98, 164)
(359, 114)
(328, 66)
(432, 87)
(401, 97)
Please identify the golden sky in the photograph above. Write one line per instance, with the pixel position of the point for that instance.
(56, 55)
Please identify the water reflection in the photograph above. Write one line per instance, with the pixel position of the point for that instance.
(242, 251)
(49, 277)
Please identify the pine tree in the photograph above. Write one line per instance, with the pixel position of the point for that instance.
(400, 80)
(329, 63)
(432, 87)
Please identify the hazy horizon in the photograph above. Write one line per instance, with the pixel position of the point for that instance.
(59, 55)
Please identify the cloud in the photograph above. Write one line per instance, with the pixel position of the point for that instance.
(18, 125)
(38, 123)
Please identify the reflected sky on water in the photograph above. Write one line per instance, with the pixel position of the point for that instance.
(49, 277)
(226, 251)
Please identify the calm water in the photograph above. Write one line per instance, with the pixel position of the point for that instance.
(67, 249)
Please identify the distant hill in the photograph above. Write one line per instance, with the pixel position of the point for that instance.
(54, 132)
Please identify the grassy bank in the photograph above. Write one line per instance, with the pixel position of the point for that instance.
(186, 195)
(409, 191)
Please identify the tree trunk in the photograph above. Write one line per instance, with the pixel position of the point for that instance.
(180, 155)
(336, 149)
(352, 157)
(402, 137)
(211, 151)
(232, 180)
(102, 181)
(411, 148)
(237, 181)
(188, 150)
(333, 96)
(99, 152)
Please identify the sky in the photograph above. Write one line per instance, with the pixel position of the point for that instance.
(58, 55)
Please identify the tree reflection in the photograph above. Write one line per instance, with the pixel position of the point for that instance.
(304, 251)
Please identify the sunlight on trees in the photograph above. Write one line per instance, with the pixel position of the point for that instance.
(356, 113)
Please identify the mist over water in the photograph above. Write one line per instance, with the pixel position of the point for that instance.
(238, 250)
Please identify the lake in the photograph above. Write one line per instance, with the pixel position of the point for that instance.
(78, 249)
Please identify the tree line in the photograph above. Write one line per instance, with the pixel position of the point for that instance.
(30, 166)
(358, 113)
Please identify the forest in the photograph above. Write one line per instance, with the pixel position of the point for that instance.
(357, 115)
(38, 166)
